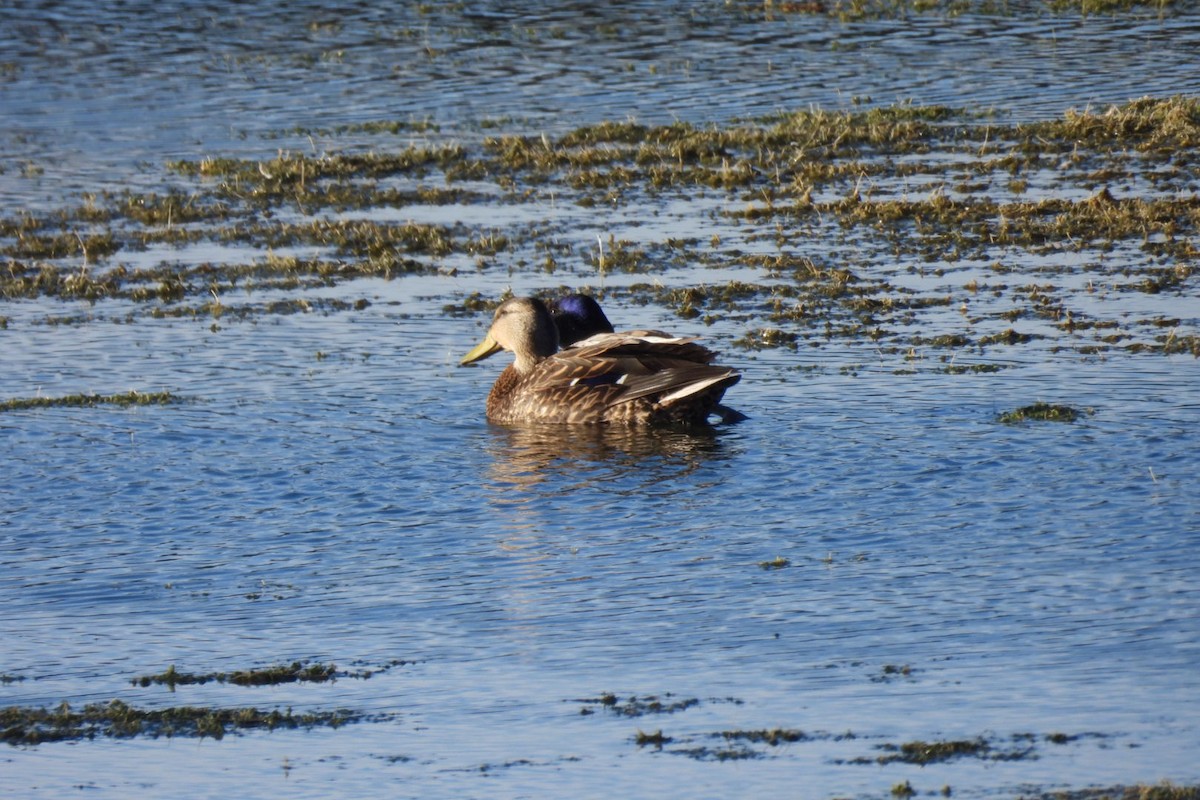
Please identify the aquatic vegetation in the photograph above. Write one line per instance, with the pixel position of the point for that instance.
(779, 562)
(296, 672)
(130, 398)
(773, 737)
(656, 739)
(118, 720)
(891, 672)
(705, 753)
(963, 369)
(268, 676)
(1166, 791)
(737, 744)
(765, 742)
(393, 127)
(1049, 412)
(251, 178)
(940, 228)
(923, 753)
(90, 246)
(636, 706)
(1159, 791)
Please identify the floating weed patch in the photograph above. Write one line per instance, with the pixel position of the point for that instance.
(704, 753)
(296, 672)
(60, 245)
(118, 720)
(1164, 791)
(923, 753)
(1043, 412)
(735, 745)
(258, 179)
(268, 676)
(972, 369)
(242, 311)
(656, 739)
(1160, 791)
(779, 562)
(766, 338)
(637, 706)
(764, 742)
(891, 672)
(773, 736)
(473, 304)
(391, 126)
(131, 398)
(170, 284)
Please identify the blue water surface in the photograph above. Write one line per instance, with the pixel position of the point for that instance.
(872, 559)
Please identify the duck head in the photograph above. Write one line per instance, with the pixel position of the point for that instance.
(524, 327)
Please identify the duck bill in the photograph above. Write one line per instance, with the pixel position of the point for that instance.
(481, 351)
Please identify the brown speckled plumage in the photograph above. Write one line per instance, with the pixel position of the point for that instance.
(615, 378)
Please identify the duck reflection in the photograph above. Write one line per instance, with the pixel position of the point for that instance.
(549, 459)
(565, 497)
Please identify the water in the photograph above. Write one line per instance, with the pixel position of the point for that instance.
(328, 490)
(96, 87)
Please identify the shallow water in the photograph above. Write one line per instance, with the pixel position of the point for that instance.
(327, 489)
(95, 90)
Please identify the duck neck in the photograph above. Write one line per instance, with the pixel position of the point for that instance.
(526, 362)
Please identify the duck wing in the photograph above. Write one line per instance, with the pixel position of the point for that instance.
(665, 370)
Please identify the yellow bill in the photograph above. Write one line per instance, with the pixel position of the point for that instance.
(481, 351)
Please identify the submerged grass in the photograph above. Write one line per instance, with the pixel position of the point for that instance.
(269, 676)
(118, 720)
(638, 706)
(923, 753)
(1044, 412)
(27, 726)
(1157, 791)
(296, 672)
(130, 398)
(773, 736)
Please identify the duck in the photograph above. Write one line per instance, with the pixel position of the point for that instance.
(605, 378)
(577, 316)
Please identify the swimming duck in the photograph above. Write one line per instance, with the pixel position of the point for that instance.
(613, 378)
